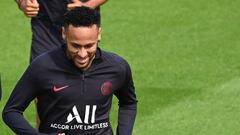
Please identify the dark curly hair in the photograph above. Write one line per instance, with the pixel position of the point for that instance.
(82, 16)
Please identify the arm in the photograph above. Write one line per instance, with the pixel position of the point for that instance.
(24, 92)
(127, 105)
(29, 7)
(91, 3)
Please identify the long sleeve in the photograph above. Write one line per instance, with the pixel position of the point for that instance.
(24, 92)
(127, 104)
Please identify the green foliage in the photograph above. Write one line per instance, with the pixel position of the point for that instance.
(184, 56)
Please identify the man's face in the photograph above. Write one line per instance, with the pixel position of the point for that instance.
(81, 44)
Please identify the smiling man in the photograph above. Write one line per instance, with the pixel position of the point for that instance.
(74, 85)
(82, 47)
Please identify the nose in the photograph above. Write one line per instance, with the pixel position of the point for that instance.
(82, 52)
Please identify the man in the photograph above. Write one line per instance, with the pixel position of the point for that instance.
(47, 20)
(74, 85)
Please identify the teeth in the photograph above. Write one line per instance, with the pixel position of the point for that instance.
(82, 61)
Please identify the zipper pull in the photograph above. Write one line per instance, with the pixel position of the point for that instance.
(83, 76)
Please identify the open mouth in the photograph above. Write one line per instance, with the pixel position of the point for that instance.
(81, 61)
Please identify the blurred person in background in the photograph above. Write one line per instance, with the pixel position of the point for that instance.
(47, 21)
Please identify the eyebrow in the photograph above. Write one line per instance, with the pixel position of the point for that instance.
(74, 43)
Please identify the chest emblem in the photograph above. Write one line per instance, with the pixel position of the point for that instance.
(106, 88)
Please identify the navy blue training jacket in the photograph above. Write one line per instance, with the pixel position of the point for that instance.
(71, 101)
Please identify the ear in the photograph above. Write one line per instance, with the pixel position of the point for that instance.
(63, 33)
(99, 34)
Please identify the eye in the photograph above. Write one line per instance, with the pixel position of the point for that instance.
(88, 46)
(75, 45)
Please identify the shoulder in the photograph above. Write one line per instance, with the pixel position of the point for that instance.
(115, 62)
(114, 58)
(46, 60)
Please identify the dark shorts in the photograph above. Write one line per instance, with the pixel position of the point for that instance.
(45, 36)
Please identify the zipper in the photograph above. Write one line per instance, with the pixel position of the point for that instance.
(83, 82)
